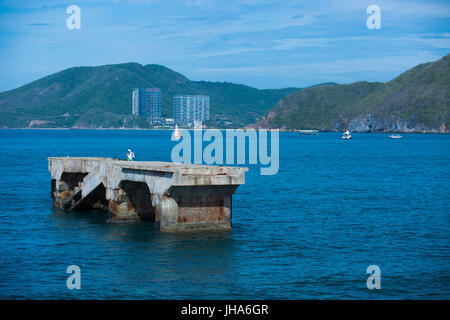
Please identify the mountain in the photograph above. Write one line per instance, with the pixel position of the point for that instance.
(101, 97)
(99, 118)
(417, 100)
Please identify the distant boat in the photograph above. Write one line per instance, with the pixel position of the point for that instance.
(395, 136)
(176, 134)
(346, 135)
(308, 132)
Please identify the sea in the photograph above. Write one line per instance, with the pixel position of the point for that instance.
(311, 231)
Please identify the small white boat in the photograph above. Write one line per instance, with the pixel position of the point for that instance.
(346, 135)
(176, 134)
(395, 136)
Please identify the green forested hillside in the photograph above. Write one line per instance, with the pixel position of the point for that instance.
(100, 97)
(416, 100)
(60, 99)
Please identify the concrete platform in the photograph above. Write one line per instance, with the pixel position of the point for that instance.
(179, 197)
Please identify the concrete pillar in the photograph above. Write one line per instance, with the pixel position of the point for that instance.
(193, 208)
(167, 212)
(63, 188)
(130, 202)
(60, 193)
(120, 208)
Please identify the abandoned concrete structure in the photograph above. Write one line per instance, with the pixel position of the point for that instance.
(180, 197)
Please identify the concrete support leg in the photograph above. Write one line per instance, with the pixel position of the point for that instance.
(167, 209)
(196, 208)
(60, 193)
(121, 208)
(131, 202)
(63, 188)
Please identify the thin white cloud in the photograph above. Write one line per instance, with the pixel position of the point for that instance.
(235, 51)
(286, 44)
(441, 41)
(399, 8)
(422, 8)
(381, 64)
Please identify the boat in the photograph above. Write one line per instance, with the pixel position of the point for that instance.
(395, 136)
(346, 135)
(176, 134)
(309, 132)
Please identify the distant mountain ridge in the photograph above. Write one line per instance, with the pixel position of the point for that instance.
(417, 100)
(100, 97)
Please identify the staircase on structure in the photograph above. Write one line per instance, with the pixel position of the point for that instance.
(90, 183)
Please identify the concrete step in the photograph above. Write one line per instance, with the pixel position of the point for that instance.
(90, 182)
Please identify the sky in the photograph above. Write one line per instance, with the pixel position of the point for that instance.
(264, 44)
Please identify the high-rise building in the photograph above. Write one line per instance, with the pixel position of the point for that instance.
(187, 109)
(147, 103)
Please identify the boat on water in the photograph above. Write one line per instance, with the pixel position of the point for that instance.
(346, 135)
(176, 134)
(308, 132)
(395, 136)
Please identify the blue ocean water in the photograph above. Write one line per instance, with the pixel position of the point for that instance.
(309, 232)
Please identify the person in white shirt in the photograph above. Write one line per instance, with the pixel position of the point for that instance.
(130, 155)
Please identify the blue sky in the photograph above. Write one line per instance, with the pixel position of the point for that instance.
(265, 44)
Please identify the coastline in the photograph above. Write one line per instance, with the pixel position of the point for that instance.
(171, 129)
